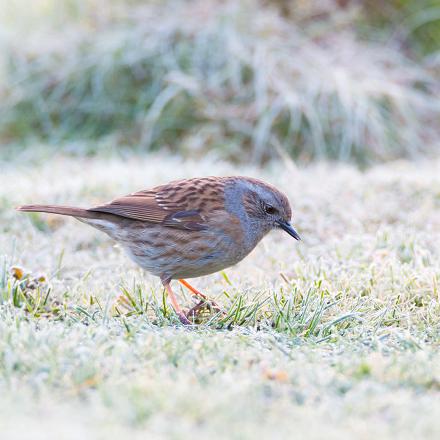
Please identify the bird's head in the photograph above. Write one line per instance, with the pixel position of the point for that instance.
(268, 207)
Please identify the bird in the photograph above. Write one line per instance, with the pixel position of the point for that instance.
(188, 228)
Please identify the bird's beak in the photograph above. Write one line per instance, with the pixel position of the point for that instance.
(289, 229)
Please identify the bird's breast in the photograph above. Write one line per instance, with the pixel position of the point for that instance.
(175, 253)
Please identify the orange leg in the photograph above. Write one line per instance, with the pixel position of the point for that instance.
(183, 319)
(192, 289)
(198, 293)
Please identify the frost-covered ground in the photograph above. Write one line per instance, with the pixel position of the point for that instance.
(335, 336)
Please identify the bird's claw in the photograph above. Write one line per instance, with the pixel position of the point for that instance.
(192, 313)
(183, 319)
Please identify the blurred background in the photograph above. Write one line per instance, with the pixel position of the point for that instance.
(243, 80)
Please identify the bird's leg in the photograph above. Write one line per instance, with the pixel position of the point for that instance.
(192, 313)
(205, 299)
(182, 317)
(193, 289)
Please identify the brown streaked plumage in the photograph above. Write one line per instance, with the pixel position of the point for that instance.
(188, 228)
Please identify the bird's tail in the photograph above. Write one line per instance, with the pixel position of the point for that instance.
(62, 210)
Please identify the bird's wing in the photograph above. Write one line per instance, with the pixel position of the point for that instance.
(184, 204)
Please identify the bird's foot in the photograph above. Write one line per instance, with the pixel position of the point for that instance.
(211, 305)
(183, 318)
(194, 311)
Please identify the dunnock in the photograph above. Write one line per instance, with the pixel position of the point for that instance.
(188, 228)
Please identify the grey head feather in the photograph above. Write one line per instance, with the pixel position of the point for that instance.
(256, 223)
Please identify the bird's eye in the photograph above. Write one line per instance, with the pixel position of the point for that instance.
(268, 209)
